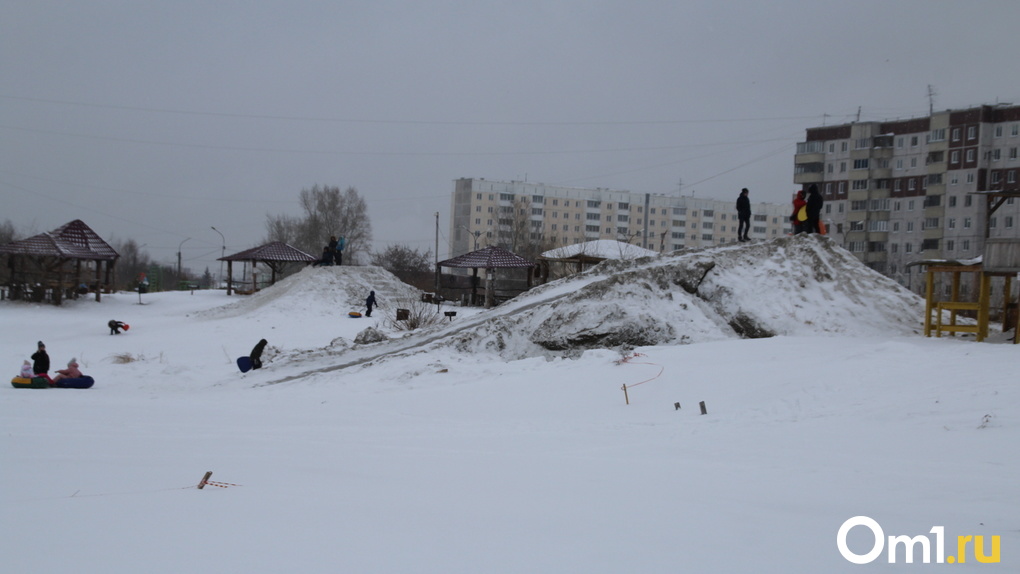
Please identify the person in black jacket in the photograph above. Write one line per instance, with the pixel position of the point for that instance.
(744, 215)
(256, 354)
(814, 210)
(41, 361)
(370, 302)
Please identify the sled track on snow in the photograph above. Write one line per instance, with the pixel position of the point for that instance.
(410, 345)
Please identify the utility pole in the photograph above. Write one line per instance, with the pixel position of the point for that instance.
(931, 100)
(437, 253)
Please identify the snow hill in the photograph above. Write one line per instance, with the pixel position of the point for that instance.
(503, 441)
(802, 285)
(316, 289)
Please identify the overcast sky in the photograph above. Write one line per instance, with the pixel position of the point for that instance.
(156, 121)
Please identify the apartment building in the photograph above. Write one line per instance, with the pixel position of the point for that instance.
(515, 213)
(905, 190)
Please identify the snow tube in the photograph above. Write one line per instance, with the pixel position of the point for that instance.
(33, 383)
(354, 314)
(83, 382)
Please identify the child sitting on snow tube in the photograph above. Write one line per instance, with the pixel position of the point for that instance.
(71, 372)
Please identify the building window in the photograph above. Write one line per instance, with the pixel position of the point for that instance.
(972, 132)
(956, 134)
(954, 156)
(966, 223)
(860, 164)
(967, 200)
(950, 244)
(951, 223)
(1009, 222)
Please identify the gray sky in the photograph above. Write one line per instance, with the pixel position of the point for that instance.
(157, 120)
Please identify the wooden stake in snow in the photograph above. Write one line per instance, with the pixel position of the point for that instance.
(205, 478)
(704, 411)
(625, 397)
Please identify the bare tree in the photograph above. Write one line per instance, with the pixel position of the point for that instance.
(327, 212)
(409, 265)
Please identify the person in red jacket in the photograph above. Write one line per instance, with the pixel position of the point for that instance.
(796, 218)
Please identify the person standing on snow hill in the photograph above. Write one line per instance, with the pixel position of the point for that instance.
(799, 214)
(41, 362)
(744, 215)
(814, 210)
(339, 251)
(370, 302)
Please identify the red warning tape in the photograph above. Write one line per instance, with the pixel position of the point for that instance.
(219, 484)
(628, 361)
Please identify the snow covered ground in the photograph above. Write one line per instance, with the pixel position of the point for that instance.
(483, 446)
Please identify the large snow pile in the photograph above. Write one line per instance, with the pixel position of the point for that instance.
(799, 285)
(317, 289)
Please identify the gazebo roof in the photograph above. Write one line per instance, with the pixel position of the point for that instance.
(275, 251)
(599, 250)
(73, 240)
(491, 257)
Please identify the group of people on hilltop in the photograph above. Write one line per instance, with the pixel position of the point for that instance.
(807, 211)
(40, 367)
(806, 216)
(332, 252)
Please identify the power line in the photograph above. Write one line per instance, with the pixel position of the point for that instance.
(393, 121)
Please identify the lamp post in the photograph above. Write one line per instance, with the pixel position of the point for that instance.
(223, 252)
(475, 233)
(179, 259)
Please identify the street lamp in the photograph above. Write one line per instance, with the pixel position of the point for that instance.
(475, 233)
(179, 259)
(223, 252)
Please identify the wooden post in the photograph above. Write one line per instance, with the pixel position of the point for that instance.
(205, 478)
(625, 397)
(704, 411)
(929, 302)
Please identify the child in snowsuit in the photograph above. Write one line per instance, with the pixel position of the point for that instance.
(71, 372)
(370, 302)
(115, 326)
(26, 370)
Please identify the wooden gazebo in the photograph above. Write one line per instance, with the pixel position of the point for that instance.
(275, 255)
(490, 259)
(1001, 259)
(49, 266)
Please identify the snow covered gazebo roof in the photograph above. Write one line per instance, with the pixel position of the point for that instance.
(599, 250)
(491, 257)
(275, 251)
(73, 240)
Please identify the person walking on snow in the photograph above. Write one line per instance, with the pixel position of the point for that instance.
(744, 215)
(370, 302)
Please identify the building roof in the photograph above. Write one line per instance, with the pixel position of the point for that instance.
(275, 251)
(73, 240)
(598, 250)
(491, 257)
